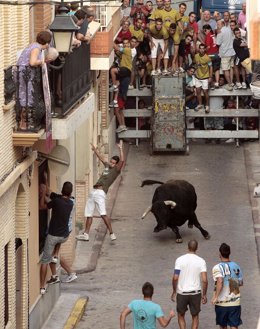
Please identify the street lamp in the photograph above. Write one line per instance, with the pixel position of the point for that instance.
(63, 28)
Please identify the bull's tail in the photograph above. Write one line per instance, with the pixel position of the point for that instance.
(150, 182)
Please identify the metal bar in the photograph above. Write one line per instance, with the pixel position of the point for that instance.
(53, 158)
(222, 134)
(224, 113)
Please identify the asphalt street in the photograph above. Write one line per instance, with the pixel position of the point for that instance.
(219, 175)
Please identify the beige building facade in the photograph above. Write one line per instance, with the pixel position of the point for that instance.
(23, 155)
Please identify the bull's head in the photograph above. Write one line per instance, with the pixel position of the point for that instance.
(170, 203)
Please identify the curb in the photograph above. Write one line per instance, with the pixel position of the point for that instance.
(102, 230)
(76, 313)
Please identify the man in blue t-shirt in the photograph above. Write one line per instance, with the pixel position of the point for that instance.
(145, 312)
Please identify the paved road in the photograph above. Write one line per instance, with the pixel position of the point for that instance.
(219, 176)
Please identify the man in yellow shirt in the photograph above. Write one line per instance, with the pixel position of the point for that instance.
(136, 30)
(159, 39)
(157, 12)
(168, 14)
(202, 76)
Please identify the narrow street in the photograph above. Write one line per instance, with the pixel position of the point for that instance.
(138, 255)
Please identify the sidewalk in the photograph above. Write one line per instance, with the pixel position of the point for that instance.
(70, 307)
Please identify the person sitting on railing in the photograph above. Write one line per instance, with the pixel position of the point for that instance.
(30, 57)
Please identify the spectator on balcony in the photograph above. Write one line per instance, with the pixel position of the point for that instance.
(136, 30)
(31, 56)
(125, 11)
(124, 33)
(74, 6)
(82, 33)
(159, 38)
(139, 10)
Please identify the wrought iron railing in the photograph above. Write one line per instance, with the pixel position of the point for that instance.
(9, 85)
(72, 81)
(29, 107)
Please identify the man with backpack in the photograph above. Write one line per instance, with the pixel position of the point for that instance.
(228, 279)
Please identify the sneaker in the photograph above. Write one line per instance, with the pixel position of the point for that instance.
(153, 72)
(207, 110)
(164, 72)
(176, 74)
(43, 291)
(125, 128)
(230, 140)
(112, 237)
(216, 85)
(115, 88)
(53, 280)
(131, 87)
(114, 103)
(238, 85)
(159, 71)
(199, 107)
(83, 237)
(212, 87)
(229, 87)
(244, 86)
(143, 85)
(71, 277)
(54, 260)
(181, 70)
(120, 129)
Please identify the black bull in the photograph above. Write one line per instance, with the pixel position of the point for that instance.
(174, 202)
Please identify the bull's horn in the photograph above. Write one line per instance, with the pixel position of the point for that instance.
(146, 211)
(170, 203)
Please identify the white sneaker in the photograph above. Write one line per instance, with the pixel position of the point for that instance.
(43, 291)
(83, 237)
(244, 86)
(131, 87)
(115, 88)
(181, 70)
(165, 72)
(230, 140)
(153, 72)
(120, 129)
(159, 71)
(71, 277)
(238, 85)
(112, 237)
(54, 260)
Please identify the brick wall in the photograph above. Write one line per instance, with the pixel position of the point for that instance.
(103, 98)
(102, 43)
(42, 17)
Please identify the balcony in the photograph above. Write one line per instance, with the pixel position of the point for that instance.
(70, 83)
(101, 48)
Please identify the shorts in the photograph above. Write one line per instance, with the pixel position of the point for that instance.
(97, 198)
(204, 83)
(49, 246)
(123, 87)
(158, 43)
(247, 65)
(227, 63)
(192, 300)
(123, 72)
(216, 61)
(228, 316)
(121, 103)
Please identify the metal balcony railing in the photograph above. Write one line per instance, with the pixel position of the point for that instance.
(70, 83)
(29, 107)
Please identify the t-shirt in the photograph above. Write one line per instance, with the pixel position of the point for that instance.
(61, 210)
(233, 277)
(157, 13)
(242, 19)
(241, 52)
(145, 313)
(225, 42)
(108, 176)
(210, 41)
(161, 34)
(190, 267)
(139, 34)
(168, 17)
(194, 26)
(126, 60)
(203, 63)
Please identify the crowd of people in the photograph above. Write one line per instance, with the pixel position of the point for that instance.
(211, 52)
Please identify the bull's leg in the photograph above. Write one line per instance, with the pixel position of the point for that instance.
(196, 223)
(190, 223)
(178, 236)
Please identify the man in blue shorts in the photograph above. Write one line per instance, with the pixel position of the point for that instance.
(145, 312)
(228, 278)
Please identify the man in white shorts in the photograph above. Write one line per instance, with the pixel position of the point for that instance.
(203, 74)
(97, 197)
